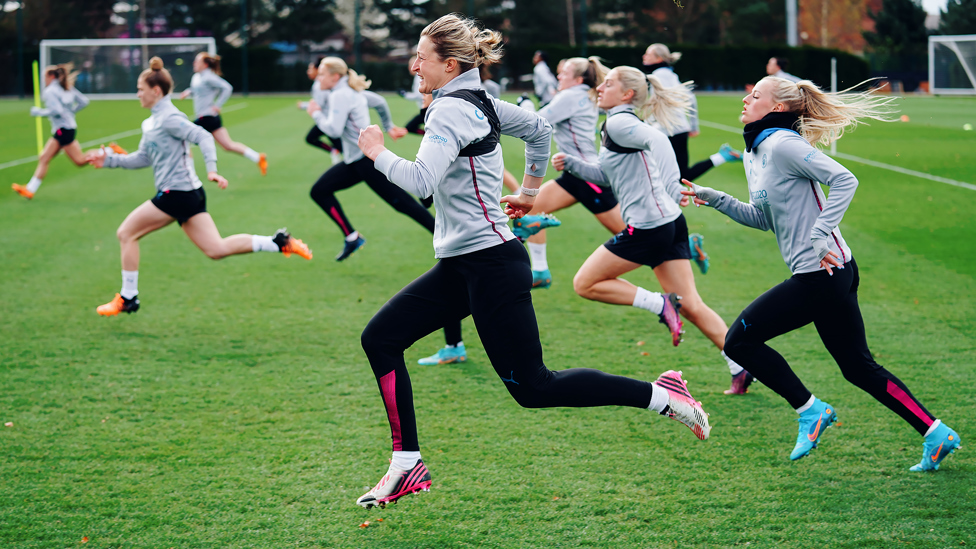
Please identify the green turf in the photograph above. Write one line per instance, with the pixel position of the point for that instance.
(237, 409)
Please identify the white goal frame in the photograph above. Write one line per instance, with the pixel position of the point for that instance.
(45, 46)
(949, 42)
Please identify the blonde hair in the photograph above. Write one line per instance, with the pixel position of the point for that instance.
(824, 116)
(591, 70)
(463, 40)
(664, 53)
(651, 99)
(335, 65)
(63, 72)
(156, 75)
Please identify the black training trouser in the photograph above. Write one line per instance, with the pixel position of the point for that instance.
(679, 143)
(830, 302)
(314, 138)
(414, 125)
(342, 176)
(492, 285)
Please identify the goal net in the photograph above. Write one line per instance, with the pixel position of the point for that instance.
(952, 64)
(109, 68)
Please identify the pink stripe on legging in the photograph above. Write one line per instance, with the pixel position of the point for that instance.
(338, 219)
(908, 402)
(388, 388)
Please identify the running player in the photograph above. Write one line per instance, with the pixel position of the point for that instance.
(482, 270)
(165, 145)
(657, 61)
(637, 161)
(62, 100)
(315, 135)
(210, 92)
(348, 113)
(783, 121)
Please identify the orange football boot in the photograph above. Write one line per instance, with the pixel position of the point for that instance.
(263, 164)
(22, 191)
(118, 305)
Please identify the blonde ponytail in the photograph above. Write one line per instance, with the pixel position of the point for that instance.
(824, 116)
(591, 70)
(357, 81)
(651, 99)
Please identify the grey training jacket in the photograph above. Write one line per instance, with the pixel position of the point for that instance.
(165, 145)
(646, 183)
(61, 106)
(208, 91)
(346, 115)
(784, 196)
(573, 116)
(374, 100)
(466, 189)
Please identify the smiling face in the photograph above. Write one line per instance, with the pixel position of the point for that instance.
(434, 72)
(611, 92)
(759, 103)
(567, 76)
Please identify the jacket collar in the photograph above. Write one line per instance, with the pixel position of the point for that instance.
(166, 102)
(756, 132)
(467, 80)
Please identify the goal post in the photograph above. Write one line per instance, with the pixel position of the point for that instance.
(952, 64)
(108, 68)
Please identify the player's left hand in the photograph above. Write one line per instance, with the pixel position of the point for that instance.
(216, 111)
(694, 133)
(559, 161)
(517, 205)
(312, 108)
(396, 132)
(218, 179)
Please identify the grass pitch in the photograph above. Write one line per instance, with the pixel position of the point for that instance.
(237, 409)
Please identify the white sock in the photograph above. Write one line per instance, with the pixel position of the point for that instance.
(263, 244)
(734, 367)
(405, 460)
(659, 399)
(933, 427)
(34, 184)
(130, 284)
(352, 236)
(251, 155)
(458, 344)
(717, 159)
(806, 406)
(650, 301)
(538, 254)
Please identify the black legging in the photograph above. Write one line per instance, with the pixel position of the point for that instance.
(679, 143)
(493, 286)
(314, 138)
(830, 302)
(414, 125)
(342, 176)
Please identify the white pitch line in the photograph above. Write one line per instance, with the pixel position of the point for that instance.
(876, 164)
(129, 133)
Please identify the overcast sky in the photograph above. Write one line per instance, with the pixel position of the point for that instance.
(934, 6)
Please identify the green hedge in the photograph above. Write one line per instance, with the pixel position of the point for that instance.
(712, 67)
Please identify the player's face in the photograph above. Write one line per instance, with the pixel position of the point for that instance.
(328, 79)
(567, 77)
(312, 72)
(611, 92)
(772, 67)
(148, 97)
(759, 103)
(198, 64)
(649, 58)
(434, 72)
